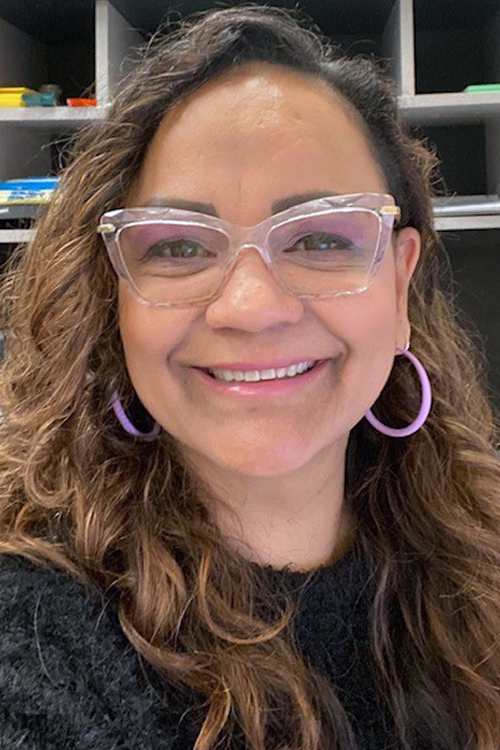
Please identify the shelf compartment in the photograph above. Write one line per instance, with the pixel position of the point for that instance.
(377, 27)
(26, 60)
(454, 145)
(34, 151)
(474, 264)
(29, 57)
(455, 45)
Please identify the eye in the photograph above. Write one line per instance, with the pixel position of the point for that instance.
(176, 248)
(322, 242)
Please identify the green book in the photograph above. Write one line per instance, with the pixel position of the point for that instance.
(482, 88)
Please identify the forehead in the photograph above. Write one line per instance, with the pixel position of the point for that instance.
(261, 125)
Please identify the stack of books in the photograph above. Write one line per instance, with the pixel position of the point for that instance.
(12, 96)
(25, 198)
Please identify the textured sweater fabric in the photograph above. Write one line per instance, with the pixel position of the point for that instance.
(70, 679)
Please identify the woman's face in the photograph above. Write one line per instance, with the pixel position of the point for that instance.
(242, 143)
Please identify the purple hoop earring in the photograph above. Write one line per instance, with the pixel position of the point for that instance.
(127, 424)
(424, 409)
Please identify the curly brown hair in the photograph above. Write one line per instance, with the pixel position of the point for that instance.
(131, 517)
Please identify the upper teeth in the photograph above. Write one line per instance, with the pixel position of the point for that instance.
(253, 375)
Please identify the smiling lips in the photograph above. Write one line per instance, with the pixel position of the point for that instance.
(252, 366)
(249, 372)
(271, 382)
(268, 374)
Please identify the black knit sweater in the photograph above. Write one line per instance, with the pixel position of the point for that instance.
(70, 679)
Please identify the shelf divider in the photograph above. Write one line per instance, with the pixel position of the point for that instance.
(114, 42)
(398, 42)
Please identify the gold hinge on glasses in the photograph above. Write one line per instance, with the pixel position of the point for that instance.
(106, 228)
(391, 210)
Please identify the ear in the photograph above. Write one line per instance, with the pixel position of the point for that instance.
(407, 246)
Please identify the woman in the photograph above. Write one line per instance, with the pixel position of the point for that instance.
(249, 489)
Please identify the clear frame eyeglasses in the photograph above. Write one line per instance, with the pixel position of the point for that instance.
(323, 248)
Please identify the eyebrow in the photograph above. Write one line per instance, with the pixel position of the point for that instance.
(208, 208)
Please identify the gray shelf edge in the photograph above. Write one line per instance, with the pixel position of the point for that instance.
(449, 107)
(457, 223)
(52, 116)
(12, 236)
(441, 224)
(419, 109)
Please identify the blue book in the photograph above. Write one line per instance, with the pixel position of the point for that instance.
(27, 190)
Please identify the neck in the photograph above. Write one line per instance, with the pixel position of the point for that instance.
(299, 520)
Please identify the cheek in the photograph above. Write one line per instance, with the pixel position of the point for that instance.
(370, 318)
(149, 336)
(363, 322)
(137, 335)
(365, 326)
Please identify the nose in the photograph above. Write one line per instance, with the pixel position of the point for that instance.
(252, 299)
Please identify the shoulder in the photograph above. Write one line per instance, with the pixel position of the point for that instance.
(39, 603)
(20, 578)
(66, 668)
(46, 611)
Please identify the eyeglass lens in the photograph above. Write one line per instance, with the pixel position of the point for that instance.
(172, 261)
